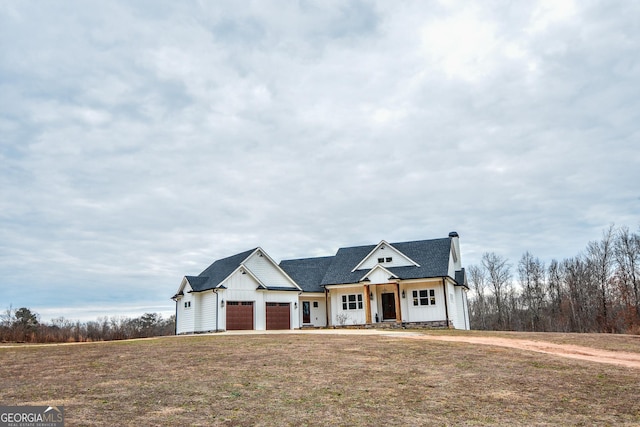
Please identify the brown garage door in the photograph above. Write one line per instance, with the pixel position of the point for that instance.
(239, 315)
(278, 315)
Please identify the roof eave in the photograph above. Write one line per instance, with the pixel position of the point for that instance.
(277, 288)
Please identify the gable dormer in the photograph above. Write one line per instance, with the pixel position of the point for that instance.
(378, 274)
(385, 255)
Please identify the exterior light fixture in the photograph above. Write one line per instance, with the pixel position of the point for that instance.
(295, 305)
(403, 294)
(370, 295)
(222, 303)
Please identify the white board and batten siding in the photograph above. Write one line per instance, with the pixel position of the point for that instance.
(186, 315)
(339, 316)
(456, 305)
(378, 276)
(452, 305)
(205, 318)
(462, 319)
(423, 313)
(265, 270)
(317, 315)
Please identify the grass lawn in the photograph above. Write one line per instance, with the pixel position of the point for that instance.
(318, 380)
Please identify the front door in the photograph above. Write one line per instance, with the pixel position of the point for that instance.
(388, 306)
(306, 312)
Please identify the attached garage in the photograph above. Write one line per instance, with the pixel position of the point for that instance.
(239, 315)
(278, 315)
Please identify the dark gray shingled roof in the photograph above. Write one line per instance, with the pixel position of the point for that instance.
(217, 272)
(343, 262)
(307, 272)
(431, 255)
(197, 282)
(311, 274)
(461, 278)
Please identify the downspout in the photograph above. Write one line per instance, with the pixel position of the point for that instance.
(326, 305)
(446, 306)
(215, 291)
(175, 324)
(465, 307)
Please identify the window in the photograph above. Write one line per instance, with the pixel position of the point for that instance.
(315, 304)
(424, 297)
(380, 260)
(388, 259)
(352, 302)
(187, 304)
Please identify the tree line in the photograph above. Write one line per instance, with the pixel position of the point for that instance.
(23, 325)
(598, 290)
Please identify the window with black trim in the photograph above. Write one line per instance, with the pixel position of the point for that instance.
(388, 259)
(352, 302)
(380, 260)
(187, 304)
(424, 297)
(315, 304)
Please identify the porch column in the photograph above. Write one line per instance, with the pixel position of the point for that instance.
(398, 314)
(367, 305)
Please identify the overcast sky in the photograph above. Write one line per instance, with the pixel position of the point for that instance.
(140, 141)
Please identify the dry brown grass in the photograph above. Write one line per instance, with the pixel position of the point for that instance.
(315, 380)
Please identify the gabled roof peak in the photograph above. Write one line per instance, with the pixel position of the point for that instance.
(430, 255)
(384, 245)
(376, 268)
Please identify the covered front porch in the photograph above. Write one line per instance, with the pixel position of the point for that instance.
(382, 303)
(365, 304)
(390, 303)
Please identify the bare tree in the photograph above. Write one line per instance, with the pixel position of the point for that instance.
(627, 256)
(600, 261)
(531, 275)
(24, 325)
(479, 309)
(554, 290)
(596, 291)
(499, 278)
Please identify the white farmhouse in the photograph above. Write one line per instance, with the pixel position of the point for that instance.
(407, 283)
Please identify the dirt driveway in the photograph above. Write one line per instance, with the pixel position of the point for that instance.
(630, 360)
